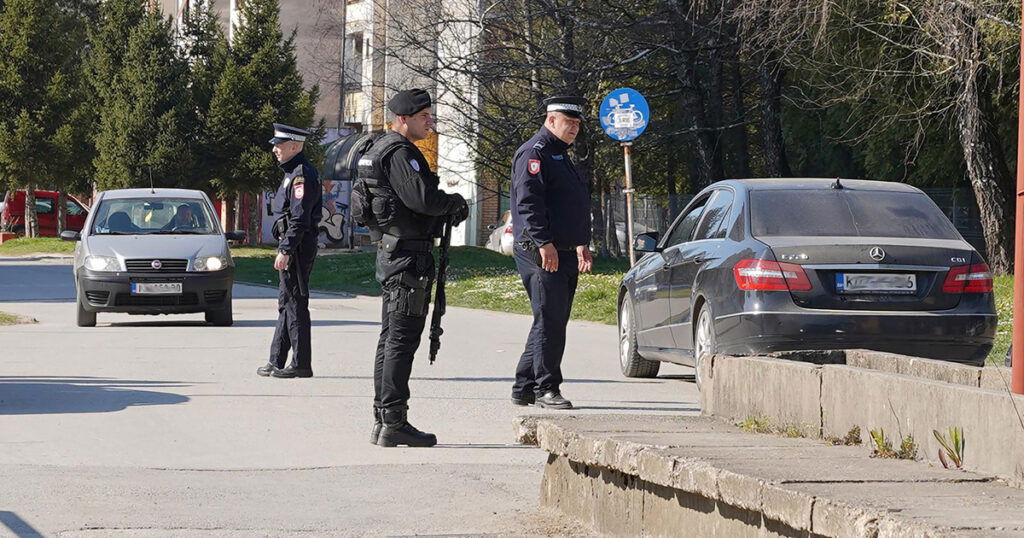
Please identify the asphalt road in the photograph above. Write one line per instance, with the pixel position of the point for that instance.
(159, 426)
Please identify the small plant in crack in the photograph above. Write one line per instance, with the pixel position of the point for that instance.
(951, 455)
(883, 447)
(852, 438)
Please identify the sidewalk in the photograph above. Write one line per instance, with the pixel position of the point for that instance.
(657, 476)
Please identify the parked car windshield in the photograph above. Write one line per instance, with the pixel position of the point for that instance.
(137, 216)
(847, 213)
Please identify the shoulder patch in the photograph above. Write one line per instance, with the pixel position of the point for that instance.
(414, 164)
(298, 181)
(533, 166)
(298, 191)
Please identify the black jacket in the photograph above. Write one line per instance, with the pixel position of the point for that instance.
(550, 201)
(300, 199)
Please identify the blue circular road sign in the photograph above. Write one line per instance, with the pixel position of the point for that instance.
(624, 114)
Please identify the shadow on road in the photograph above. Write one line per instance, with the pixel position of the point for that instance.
(316, 323)
(54, 395)
(488, 379)
(19, 527)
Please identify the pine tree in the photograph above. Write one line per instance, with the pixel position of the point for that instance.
(204, 46)
(147, 119)
(259, 85)
(40, 96)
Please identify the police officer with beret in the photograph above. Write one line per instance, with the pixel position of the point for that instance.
(298, 204)
(551, 223)
(404, 210)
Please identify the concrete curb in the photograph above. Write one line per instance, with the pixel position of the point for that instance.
(831, 399)
(629, 476)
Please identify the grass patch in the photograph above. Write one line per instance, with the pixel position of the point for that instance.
(477, 278)
(25, 245)
(11, 319)
(1003, 288)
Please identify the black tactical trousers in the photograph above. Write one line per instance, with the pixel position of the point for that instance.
(293, 324)
(406, 279)
(551, 295)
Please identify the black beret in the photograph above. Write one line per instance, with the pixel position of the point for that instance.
(569, 105)
(409, 102)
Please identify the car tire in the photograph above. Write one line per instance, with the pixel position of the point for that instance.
(704, 342)
(630, 361)
(85, 318)
(223, 317)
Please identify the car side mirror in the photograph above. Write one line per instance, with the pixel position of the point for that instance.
(646, 242)
(70, 235)
(237, 235)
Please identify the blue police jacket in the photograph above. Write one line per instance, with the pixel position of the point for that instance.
(550, 200)
(300, 197)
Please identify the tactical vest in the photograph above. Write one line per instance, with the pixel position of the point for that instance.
(375, 203)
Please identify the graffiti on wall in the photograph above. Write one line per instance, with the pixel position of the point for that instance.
(334, 222)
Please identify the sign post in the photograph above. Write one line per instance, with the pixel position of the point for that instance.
(624, 116)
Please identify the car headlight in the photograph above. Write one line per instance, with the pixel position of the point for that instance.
(210, 263)
(102, 263)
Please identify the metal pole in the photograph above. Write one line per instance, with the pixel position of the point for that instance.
(1017, 372)
(629, 200)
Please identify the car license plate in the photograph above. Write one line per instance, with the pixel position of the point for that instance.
(156, 288)
(876, 283)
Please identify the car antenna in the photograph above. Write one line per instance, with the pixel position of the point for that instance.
(151, 189)
(837, 184)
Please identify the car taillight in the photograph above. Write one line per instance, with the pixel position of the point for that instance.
(763, 275)
(975, 278)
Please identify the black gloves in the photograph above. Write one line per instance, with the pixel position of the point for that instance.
(461, 210)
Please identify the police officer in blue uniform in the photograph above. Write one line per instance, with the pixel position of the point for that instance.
(551, 223)
(404, 210)
(298, 205)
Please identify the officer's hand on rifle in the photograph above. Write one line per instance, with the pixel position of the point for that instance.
(461, 211)
(549, 258)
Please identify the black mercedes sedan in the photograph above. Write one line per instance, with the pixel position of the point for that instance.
(761, 265)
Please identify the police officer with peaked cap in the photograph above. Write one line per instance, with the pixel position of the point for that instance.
(408, 211)
(551, 223)
(298, 205)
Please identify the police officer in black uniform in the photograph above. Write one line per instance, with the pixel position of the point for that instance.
(408, 211)
(298, 204)
(551, 223)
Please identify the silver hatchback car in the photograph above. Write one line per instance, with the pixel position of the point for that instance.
(153, 251)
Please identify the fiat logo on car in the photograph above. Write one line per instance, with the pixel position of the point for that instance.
(157, 264)
(877, 254)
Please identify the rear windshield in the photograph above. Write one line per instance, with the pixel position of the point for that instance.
(137, 216)
(847, 213)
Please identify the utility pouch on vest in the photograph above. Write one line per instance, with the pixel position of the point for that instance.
(280, 227)
(389, 243)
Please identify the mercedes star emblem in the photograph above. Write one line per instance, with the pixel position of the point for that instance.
(157, 264)
(877, 254)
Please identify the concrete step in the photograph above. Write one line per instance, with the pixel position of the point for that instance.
(696, 476)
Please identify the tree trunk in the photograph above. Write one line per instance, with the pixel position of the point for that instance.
(253, 230)
(31, 218)
(986, 164)
(771, 74)
(62, 212)
(598, 231)
(738, 135)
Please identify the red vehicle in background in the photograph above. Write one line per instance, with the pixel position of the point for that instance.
(12, 213)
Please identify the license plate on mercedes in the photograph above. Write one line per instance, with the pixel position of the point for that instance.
(156, 288)
(876, 283)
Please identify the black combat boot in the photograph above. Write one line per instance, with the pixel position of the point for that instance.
(553, 400)
(266, 370)
(398, 431)
(378, 423)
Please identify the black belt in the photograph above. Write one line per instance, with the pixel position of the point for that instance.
(391, 243)
(529, 245)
